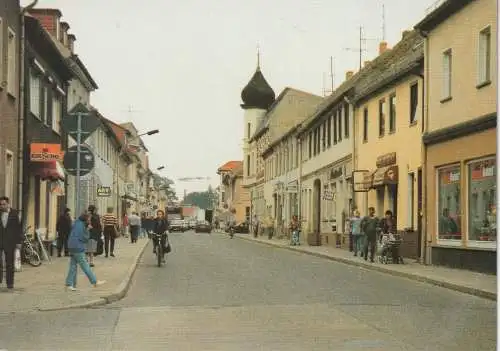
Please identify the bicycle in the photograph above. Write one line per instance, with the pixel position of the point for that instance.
(159, 247)
(28, 253)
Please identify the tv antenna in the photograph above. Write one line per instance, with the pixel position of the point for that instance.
(332, 78)
(362, 46)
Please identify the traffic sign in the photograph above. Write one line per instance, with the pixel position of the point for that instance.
(87, 160)
(89, 122)
(103, 191)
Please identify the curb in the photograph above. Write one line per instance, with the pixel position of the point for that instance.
(118, 294)
(451, 286)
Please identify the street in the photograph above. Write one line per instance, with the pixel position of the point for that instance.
(220, 294)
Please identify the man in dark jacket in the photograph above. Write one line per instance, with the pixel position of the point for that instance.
(95, 233)
(370, 225)
(11, 237)
(63, 228)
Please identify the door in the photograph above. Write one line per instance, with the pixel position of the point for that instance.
(419, 212)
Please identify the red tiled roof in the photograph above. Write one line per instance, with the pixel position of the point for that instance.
(230, 166)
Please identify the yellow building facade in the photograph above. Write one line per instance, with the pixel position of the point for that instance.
(388, 143)
(460, 134)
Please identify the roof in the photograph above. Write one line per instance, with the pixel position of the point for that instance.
(257, 93)
(399, 61)
(47, 11)
(230, 166)
(84, 70)
(440, 12)
(264, 123)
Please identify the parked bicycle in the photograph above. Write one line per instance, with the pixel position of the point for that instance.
(28, 252)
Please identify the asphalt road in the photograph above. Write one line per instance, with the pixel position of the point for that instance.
(221, 294)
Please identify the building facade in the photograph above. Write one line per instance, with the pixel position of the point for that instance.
(10, 99)
(388, 104)
(236, 198)
(460, 134)
(47, 79)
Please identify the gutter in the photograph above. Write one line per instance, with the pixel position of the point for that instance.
(21, 165)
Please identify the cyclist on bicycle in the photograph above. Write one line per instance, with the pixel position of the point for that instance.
(161, 226)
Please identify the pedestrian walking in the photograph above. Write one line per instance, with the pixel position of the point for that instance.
(357, 234)
(63, 228)
(370, 225)
(110, 231)
(135, 226)
(295, 230)
(11, 238)
(95, 233)
(77, 245)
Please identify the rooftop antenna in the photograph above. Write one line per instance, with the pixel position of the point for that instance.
(361, 47)
(383, 22)
(332, 78)
(258, 57)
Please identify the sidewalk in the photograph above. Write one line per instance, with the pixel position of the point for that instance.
(42, 288)
(478, 284)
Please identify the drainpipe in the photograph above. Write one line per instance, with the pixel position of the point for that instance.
(353, 157)
(425, 248)
(299, 183)
(21, 166)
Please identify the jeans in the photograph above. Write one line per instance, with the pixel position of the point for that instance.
(78, 259)
(109, 239)
(134, 233)
(359, 243)
(371, 243)
(9, 263)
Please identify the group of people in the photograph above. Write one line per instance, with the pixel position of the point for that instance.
(366, 231)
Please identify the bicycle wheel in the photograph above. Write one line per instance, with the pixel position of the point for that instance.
(32, 257)
(159, 254)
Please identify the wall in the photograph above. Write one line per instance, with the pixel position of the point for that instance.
(254, 117)
(461, 33)
(241, 199)
(9, 15)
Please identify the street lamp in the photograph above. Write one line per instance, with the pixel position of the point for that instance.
(160, 168)
(151, 132)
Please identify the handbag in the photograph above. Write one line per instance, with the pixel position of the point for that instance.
(116, 232)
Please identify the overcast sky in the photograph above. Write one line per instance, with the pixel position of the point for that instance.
(180, 65)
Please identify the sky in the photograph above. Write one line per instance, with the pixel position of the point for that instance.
(180, 65)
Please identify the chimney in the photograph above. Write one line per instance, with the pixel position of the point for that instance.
(405, 33)
(382, 47)
(71, 42)
(366, 63)
(64, 33)
(48, 18)
(348, 75)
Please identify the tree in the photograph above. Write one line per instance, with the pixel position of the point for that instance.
(165, 184)
(201, 199)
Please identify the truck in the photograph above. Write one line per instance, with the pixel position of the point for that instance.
(200, 215)
(175, 218)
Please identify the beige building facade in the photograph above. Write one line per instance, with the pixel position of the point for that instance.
(460, 166)
(388, 138)
(235, 198)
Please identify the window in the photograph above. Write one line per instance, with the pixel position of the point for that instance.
(56, 114)
(249, 126)
(298, 149)
(310, 144)
(339, 118)
(482, 196)
(11, 62)
(346, 120)
(329, 132)
(447, 69)
(381, 118)
(413, 102)
(47, 106)
(365, 124)
(9, 174)
(335, 127)
(35, 90)
(392, 114)
(449, 203)
(248, 165)
(411, 199)
(323, 141)
(484, 56)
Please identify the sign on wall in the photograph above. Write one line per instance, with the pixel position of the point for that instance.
(40, 152)
(103, 191)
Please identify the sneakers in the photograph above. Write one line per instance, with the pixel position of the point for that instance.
(71, 288)
(99, 282)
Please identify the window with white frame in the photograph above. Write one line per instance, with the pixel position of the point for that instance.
(446, 74)
(449, 199)
(35, 90)
(482, 197)
(56, 113)
(484, 56)
(11, 62)
(9, 174)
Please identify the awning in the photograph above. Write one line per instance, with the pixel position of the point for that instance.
(50, 170)
(385, 175)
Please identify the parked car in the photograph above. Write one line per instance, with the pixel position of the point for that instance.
(240, 228)
(203, 227)
(177, 225)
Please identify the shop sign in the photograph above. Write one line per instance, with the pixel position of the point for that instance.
(386, 160)
(40, 152)
(387, 175)
(336, 173)
(483, 169)
(450, 176)
(328, 195)
(103, 191)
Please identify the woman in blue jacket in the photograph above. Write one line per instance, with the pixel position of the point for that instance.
(77, 245)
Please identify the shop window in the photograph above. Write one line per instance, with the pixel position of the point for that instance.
(449, 198)
(482, 194)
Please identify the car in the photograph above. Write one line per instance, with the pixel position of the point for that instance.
(203, 227)
(240, 228)
(176, 225)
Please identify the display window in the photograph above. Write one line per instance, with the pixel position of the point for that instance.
(449, 199)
